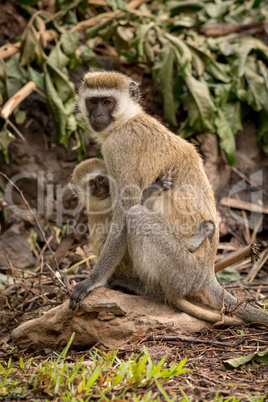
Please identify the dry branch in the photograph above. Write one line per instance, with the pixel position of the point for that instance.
(214, 30)
(16, 99)
(10, 49)
(180, 338)
(247, 206)
(249, 251)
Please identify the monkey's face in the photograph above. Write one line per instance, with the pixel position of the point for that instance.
(107, 100)
(100, 111)
(90, 183)
(99, 187)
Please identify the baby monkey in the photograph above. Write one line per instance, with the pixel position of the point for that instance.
(91, 184)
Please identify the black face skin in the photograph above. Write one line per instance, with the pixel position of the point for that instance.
(100, 111)
(99, 187)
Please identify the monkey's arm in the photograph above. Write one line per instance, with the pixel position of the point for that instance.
(155, 189)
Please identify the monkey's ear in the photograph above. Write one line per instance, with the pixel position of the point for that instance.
(134, 91)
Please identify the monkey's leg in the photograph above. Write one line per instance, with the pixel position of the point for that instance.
(163, 262)
(133, 285)
(114, 250)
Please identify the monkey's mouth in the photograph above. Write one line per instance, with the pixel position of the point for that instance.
(104, 195)
(99, 126)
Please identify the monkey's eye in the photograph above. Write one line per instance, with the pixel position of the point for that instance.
(100, 179)
(107, 102)
(93, 101)
(91, 183)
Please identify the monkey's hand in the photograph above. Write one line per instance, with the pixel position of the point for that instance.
(166, 182)
(81, 290)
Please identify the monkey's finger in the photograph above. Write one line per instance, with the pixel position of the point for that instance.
(72, 304)
(168, 184)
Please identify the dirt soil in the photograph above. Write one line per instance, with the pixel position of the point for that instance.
(22, 247)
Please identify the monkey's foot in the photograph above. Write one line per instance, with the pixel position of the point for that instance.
(81, 290)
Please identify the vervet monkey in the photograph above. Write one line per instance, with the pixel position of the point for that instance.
(91, 184)
(137, 150)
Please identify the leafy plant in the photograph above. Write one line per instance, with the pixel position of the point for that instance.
(255, 359)
(101, 376)
(213, 81)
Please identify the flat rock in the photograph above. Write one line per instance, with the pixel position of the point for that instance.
(106, 316)
(12, 245)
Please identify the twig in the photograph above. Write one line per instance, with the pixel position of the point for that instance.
(249, 181)
(249, 251)
(38, 224)
(15, 129)
(247, 206)
(136, 3)
(43, 250)
(220, 29)
(183, 339)
(16, 99)
(256, 229)
(57, 276)
(247, 232)
(257, 266)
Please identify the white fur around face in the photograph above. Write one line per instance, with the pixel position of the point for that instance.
(126, 108)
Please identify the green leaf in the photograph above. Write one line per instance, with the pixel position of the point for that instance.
(220, 71)
(184, 55)
(177, 7)
(222, 93)
(163, 73)
(17, 76)
(3, 82)
(138, 42)
(238, 62)
(6, 137)
(57, 58)
(257, 358)
(163, 392)
(20, 116)
(198, 65)
(71, 124)
(36, 77)
(69, 41)
(257, 94)
(232, 113)
(67, 347)
(218, 10)
(256, 45)
(31, 48)
(263, 130)
(185, 130)
(226, 136)
(56, 106)
(228, 275)
(64, 86)
(94, 31)
(122, 39)
(117, 4)
(263, 70)
(201, 109)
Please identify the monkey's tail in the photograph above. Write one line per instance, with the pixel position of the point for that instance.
(214, 292)
(204, 314)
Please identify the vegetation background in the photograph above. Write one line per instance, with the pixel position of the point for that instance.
(203, 70)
